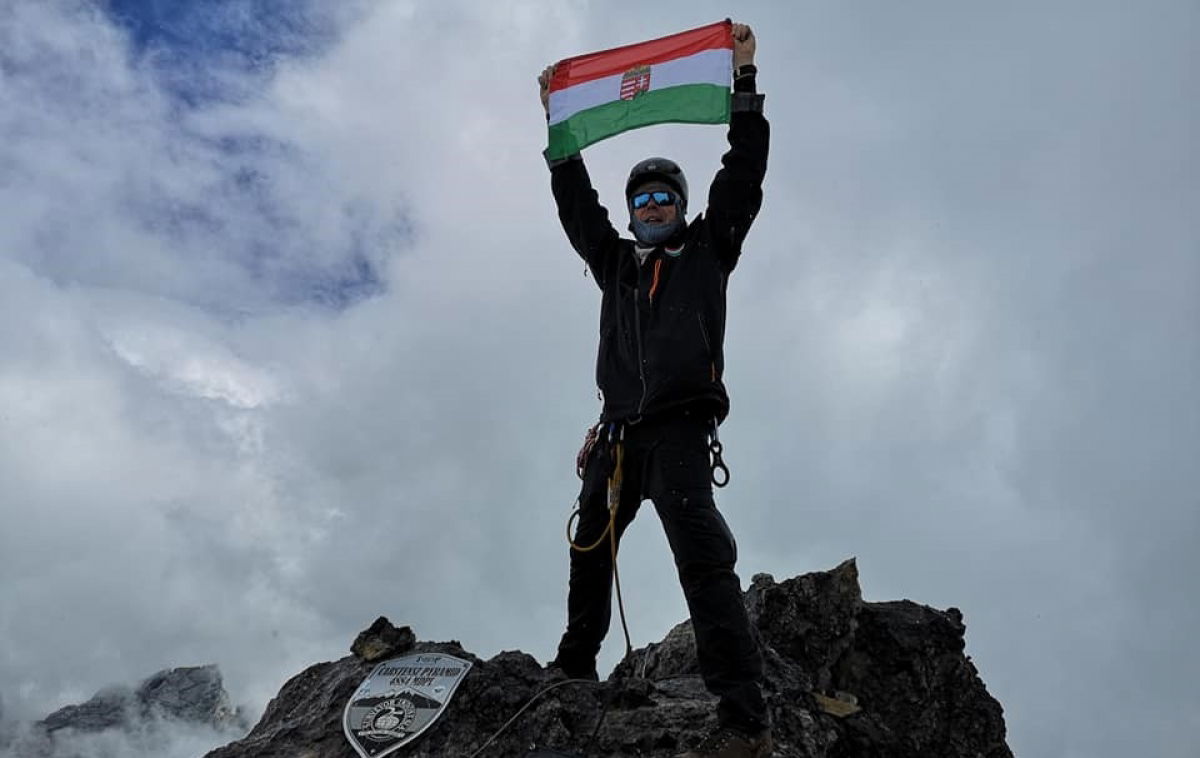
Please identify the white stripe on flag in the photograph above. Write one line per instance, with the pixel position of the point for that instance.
(705, 67)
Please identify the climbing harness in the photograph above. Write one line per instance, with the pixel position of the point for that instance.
(615, 440)
(616, 444)
(613, 436)
(720, 472)
(585, 452)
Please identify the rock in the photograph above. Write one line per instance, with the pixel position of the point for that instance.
(841, 705)
(108, 708)
(382, 640)
(844, 679)
(194, 696)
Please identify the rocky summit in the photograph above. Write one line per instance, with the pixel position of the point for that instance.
(844, 679)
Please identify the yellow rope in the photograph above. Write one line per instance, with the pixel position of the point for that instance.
(614, 502)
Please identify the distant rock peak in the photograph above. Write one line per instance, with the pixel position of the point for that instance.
(145, 715)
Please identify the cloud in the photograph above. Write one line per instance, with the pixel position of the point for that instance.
(291, 339)
(147, 739)
(187, 421)
(118, 186)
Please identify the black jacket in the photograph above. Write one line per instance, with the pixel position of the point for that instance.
(662, 323)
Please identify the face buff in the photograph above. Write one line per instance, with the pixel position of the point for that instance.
(654, 234)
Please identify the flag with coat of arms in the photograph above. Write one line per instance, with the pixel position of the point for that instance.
(683, 78)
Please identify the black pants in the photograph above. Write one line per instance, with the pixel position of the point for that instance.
(667, 461)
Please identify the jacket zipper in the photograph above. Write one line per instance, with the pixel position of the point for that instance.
(712, 363)
(704, 334)
(637, 329)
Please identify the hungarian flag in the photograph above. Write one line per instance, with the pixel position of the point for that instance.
(683, 78)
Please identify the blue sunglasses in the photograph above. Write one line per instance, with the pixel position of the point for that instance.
(660, 198)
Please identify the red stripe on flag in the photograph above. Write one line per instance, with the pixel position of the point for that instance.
(618, 60)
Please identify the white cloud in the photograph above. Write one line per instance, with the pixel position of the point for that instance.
(961, 345)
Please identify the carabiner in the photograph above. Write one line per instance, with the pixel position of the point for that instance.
(720, 472)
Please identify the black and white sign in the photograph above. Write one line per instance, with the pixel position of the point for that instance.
(400, 699)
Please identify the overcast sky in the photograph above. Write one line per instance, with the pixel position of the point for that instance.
(290, 337)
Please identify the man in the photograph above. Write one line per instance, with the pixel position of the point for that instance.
(659, 369)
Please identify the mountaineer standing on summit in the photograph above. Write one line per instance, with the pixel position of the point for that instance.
(659, 368)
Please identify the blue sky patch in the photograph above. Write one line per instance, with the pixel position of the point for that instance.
(191, 43)
(225, 52)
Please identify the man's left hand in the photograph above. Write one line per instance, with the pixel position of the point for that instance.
(743, 45)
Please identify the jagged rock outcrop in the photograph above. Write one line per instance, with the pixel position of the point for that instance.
(845, 679)
(194, 696)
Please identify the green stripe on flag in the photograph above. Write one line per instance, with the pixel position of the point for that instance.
(685, 104)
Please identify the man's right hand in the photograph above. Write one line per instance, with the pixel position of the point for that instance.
(544, 83)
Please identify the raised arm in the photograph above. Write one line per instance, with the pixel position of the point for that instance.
(582, 216)
(736, 193)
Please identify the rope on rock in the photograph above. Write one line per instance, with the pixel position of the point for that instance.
(512, 720)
